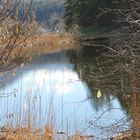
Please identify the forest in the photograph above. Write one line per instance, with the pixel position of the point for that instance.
(98, 13)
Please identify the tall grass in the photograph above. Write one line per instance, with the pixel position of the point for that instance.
(23, 123)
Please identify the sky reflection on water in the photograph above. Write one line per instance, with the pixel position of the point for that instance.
(51, 92)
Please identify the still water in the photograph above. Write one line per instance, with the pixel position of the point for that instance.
(51, 90)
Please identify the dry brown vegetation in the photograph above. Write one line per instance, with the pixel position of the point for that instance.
(21, 133)
(44, 43)
(49, 43)
(13, 32)
(26, 134)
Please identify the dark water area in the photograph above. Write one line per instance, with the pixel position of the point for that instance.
(61, 89)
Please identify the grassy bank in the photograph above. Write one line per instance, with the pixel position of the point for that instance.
(40, 44)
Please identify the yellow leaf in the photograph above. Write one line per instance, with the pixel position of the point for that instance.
(16, 28)
(99, 94)
(14, 72)
(22, 65)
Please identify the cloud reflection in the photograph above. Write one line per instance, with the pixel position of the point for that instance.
(61, 79)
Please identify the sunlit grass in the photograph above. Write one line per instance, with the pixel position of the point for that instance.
(41, 44)
(52, 42)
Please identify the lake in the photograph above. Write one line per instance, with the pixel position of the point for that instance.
(58, 89)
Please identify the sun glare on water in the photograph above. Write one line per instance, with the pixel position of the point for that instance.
(61, 79)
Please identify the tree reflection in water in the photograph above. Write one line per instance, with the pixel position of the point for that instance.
(116, 78)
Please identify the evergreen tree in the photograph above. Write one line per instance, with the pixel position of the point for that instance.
(86, 13)
(71, 14)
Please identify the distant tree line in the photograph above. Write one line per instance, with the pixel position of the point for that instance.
(91, 12)
(48, 13)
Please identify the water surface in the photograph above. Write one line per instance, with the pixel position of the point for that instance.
(52, 90)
